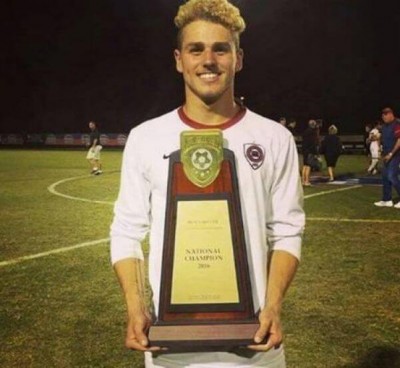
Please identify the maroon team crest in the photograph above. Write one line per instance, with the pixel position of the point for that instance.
(255, 154)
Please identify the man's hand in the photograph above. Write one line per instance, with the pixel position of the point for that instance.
(387, 157)
(136, 333)
(270, 330)
(131, 278)
(281, 270)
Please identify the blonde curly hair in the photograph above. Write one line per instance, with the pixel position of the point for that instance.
(216, 11)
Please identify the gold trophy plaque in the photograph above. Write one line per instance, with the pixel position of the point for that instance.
(205, 296)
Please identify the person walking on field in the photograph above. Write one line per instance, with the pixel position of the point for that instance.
(208, 55)
(391, 158)
(331, 148)
(374, 148)
(310, 150)
(93, 155)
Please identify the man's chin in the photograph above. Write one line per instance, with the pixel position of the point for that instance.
(208, 96)
(210, 99)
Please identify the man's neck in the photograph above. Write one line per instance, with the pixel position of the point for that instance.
(214, 114)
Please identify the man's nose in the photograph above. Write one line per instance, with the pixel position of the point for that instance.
(209, 57)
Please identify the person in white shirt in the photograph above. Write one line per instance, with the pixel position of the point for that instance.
(208, 56)
(374, 147)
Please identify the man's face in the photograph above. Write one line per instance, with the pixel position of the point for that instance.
(312, 124)
(208, 61)
(387, 117)
(92, 126)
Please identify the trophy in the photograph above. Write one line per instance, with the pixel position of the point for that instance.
(205, 295)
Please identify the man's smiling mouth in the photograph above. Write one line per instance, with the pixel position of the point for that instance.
(209, 76)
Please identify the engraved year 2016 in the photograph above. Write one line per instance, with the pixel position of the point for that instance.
(203, 265)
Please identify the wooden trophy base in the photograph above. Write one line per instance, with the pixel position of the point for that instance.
(205, 336)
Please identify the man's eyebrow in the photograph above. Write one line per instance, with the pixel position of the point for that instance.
(194, 44)
(224, 45)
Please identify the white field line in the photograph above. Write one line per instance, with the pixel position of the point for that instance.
(330, 219)
(52, 189)
(54, 251)
(350, 220)
(331, 191)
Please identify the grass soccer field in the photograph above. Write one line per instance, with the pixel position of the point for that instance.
(61, 306)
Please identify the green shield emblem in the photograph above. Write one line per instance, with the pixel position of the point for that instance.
(201, 155)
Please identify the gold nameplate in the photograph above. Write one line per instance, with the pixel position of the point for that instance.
(201, 155)
(204, 266)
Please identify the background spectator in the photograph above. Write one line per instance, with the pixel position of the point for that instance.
(292, 126)
(367, 129)
(374, 147)
(331, 148)
(310, 150)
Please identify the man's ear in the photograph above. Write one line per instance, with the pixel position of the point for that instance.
(239, 61)
(178, 60)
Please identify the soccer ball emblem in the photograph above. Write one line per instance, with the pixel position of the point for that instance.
(202, 159)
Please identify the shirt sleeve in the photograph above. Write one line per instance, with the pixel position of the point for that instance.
(286, 220)
(397, 130)
(132, 209)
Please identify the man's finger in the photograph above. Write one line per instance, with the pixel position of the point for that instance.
(135, 345)
(141, 336)
(273, 341)
(135, 335)
(262, 331)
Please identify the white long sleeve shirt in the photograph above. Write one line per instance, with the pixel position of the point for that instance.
(269, 184)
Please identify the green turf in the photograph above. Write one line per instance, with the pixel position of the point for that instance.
(66, 310)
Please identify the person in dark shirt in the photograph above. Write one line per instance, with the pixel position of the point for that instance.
(331, 148)
(93, 155)
(292, 126)
(310, 150)
(390, 139)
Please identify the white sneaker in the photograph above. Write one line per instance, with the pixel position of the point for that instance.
(397, 205)
(385, 204)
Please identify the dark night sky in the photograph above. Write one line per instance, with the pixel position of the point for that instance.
(65, 62)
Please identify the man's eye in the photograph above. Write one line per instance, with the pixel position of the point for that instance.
(221, 49)
(220, 52)
(195, 51)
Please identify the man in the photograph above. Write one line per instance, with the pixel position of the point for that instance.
(93, 155)
(282, 121)
(390, 138)
(310, 150)
(208, 56)
(292, 126)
